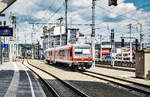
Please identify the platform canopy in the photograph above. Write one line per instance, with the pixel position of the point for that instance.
(4, 4)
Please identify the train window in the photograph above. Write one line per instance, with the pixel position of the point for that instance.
(49, 53)
(70, 52)
(84, 51)
(62, 52)
(57, 53)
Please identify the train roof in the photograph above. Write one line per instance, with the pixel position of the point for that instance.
(49, 49)
(67, 46)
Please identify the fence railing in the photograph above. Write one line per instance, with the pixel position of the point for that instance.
(117, 63)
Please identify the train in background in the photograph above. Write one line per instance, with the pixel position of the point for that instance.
(76, 56)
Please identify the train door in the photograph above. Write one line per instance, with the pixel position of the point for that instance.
(54, 55)
(65, 54)
(68, 54)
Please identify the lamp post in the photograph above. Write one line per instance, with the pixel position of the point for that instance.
(66, 20)
(93, 31)
(100, 36)
(1, 55)
(130, 27)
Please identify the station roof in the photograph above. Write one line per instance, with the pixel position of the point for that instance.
(4, 4)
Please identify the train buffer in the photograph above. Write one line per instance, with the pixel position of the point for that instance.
(17, 81)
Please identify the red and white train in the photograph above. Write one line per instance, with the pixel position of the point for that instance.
(75, 56)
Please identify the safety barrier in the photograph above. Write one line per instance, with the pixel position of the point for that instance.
(117, 63)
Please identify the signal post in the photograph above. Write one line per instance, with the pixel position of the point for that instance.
(112, 46)
(110, 2)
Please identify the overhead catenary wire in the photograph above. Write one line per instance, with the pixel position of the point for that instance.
(50, 7)
(47, 10)
(120, 16)
(123, 15)
(56, 12)
(117, 16)
(51, 16)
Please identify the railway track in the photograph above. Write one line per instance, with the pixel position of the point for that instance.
(130, 85)
(116, 68)
(56, 92)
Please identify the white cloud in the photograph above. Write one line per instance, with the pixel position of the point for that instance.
(43, 15)
(121, 9)
(77, 19)
(81, 3)
(24, 7)
(36, 9)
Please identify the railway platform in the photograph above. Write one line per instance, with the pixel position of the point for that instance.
(120, 74)
(18, 81)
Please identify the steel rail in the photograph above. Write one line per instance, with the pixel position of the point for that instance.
(82, 94)
(54, 93)
(136, 83)
(116, 68)
(117, 83)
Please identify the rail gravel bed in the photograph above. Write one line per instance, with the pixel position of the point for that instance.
(60, 87)
(91, 86)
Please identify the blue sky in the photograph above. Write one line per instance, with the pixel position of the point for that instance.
(139, 3)
(79, 11)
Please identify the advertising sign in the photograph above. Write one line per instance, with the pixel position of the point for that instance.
(6, 31)
(57, 30)
(73, 33)
(4, 45)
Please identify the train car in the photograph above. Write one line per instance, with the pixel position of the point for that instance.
(50, 55)
(75, 56)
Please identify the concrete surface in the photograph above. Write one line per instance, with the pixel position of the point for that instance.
(17, 81)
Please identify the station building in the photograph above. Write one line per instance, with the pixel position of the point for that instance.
(55, 35)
